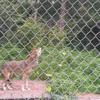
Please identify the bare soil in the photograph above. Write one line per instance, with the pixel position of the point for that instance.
(37, 90)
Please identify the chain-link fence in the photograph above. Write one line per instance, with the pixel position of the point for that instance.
(68, 32)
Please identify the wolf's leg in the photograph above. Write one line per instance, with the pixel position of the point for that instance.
(26, 84)
(23, 82)
(9, 84)
(4, 86)
(5, 81)
(9, 81)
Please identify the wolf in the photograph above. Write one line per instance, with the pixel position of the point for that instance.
(23, 67)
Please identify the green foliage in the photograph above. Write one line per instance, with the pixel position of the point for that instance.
(79, 72)
(84, 24)
(17, 21)
(12, 15)
(51, 9)
(35, 34)
(10, 52)
(66, 71)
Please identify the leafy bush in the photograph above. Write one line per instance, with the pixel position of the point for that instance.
(76, 72)
(31, 34)
(11, 52)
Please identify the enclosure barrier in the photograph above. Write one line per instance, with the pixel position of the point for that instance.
(68, 33)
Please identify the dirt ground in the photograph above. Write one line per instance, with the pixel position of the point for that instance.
(37, 90)
(88, 96)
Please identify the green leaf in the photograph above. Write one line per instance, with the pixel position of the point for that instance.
(48, 88)
(48, 75)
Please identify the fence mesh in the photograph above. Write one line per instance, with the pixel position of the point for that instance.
(68, 31)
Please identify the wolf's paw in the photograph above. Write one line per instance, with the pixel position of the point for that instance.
(8, 87)
(28, 89)
(23, 89)
(4, 88)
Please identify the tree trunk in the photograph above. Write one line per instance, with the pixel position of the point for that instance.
(62, 15)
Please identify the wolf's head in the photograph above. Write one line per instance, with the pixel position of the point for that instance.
(35, 54)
